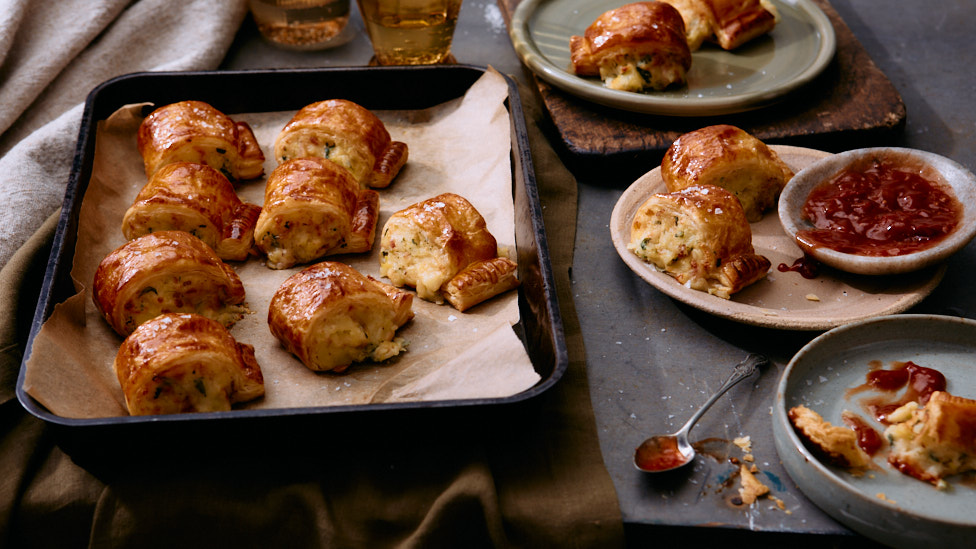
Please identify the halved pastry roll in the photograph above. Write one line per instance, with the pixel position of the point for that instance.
(700, 236)
(312, 208)
(177, 363)
(934, 441)
(197, 199)
(739, 21)
(165, 272)
(731, 158)
(347, 134)
(330, 315)
(442, 248)
(634, 47)
(194, 131)
(698, 19)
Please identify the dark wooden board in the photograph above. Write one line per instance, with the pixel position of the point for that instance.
(851, 104)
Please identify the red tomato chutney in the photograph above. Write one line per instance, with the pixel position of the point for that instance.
(880, 207)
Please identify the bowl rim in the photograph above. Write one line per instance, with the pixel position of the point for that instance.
(955, 175)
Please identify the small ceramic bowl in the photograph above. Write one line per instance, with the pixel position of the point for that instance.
(961, 180)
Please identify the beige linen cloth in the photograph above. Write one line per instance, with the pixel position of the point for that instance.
(525, 475)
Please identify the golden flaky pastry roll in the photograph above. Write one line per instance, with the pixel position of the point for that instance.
(739, 21)
(731, 158)
(442, 248)
(165, 272)
(197, 199)
(729, 23)
(700, 236)
(313, 208)
(934, 441)
(835, 444)
(177, 363)
(346, 134)
(194, 131)
(330, 315)
(634, 47)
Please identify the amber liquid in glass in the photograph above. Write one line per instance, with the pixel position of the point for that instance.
(410, 32)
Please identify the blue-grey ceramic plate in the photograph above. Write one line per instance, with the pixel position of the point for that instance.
(882, 504)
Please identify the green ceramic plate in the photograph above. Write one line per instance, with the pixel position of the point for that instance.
(719, 82)
(882, 504)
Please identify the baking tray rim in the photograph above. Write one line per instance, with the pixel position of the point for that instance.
(60, 258)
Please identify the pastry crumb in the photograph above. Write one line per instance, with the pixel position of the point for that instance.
(883, 497)
(745, 443)
(751, 488)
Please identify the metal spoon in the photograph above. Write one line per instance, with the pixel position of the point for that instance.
(666, 452)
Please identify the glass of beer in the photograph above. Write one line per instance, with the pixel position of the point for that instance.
(410, 32)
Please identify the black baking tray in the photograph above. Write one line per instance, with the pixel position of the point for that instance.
(386, 88)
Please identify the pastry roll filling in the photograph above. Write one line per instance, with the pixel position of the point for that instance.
(409, 259)
(305, 144)
(364, 332)
(302, 236)
(636, 73)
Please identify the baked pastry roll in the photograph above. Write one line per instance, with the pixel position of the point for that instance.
(312, 208)
(347, 134)
(739, 21)
(698, 19)
(934, 441)
(634, 47)
(836, 444)
(194, 131)
(728, 157)
(700, 236)
(178, 363)
(165, 272)
(197, 199)
(330, 315)
(442, 248)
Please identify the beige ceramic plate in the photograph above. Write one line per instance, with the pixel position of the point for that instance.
(719, 82)
(781, 299)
